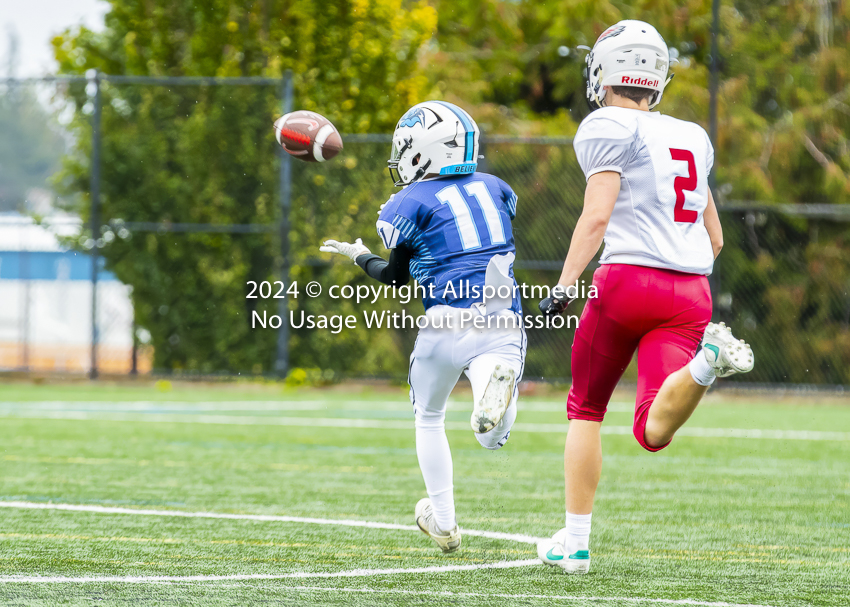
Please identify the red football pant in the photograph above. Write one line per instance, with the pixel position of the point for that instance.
(660, 313)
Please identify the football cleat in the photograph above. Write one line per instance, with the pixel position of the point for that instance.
(553, 553)
(724, 353)
(448, 541)
(490, 410)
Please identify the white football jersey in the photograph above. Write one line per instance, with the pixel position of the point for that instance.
(664, 165)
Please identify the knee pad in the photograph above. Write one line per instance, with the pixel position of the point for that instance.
(428, 421)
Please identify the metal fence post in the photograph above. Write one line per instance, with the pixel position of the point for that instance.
(134, 353)
(282, 361)
(95, 217)
(27, 298)
(714, 279)
(713, 82)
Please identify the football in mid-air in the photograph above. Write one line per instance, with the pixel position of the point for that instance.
(308, 136)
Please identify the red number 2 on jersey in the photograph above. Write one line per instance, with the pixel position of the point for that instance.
(684, 184)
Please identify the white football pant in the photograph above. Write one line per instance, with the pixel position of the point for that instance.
(438, 359)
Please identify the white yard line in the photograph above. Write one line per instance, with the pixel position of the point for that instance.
(534, 406)
(173, 405)
(159, 579)
(238, 420)
(37, 579)
(269, 518)
(379, 424)
(169, 579)
(696, 432)
(548, 597)
(354, 573)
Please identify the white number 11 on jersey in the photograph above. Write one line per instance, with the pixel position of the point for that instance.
(469, 232)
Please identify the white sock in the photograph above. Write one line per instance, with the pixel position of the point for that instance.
(443, 504)
(701, 371)
(435, 461)
(578, 532)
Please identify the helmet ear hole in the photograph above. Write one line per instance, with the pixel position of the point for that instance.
(415, 160)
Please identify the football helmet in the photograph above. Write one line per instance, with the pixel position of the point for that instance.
(629, 53)
(433, 139)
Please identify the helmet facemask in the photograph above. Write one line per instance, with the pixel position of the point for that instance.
(395, 157)
(392, 164)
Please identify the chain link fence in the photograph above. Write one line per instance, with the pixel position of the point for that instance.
(782, 281)
(783, 284)
(45, 286)
(173, 276)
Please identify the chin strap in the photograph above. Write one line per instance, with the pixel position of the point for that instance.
(421, 172)
(408, 143)
(661, 92)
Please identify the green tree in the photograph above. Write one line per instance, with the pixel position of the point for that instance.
(207, 154)
(784, 125)
(30, 148)
(785, 81)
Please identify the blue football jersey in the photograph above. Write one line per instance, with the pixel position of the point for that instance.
(452, 228)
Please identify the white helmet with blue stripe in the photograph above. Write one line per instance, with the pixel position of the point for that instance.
(433, 139)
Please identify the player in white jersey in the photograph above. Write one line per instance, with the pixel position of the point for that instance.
(647, 197)
(663, 165)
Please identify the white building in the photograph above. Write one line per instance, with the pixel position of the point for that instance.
(45, 302)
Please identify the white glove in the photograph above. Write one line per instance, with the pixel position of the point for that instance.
(353, 251)
(381, 210)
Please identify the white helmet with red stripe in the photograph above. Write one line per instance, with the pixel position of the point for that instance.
(629, 53)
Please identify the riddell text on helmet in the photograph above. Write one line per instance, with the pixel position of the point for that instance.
(639, 81)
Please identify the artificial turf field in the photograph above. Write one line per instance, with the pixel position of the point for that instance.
(750, 507)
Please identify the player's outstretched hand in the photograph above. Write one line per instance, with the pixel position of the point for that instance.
(556, 303)
(351, 250)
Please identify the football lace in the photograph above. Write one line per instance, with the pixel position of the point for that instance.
(295, 136)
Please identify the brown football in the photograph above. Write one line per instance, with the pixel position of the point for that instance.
(308, 136)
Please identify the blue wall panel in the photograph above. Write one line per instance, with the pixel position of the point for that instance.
(40, 265)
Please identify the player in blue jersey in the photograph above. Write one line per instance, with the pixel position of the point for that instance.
(450, 228)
